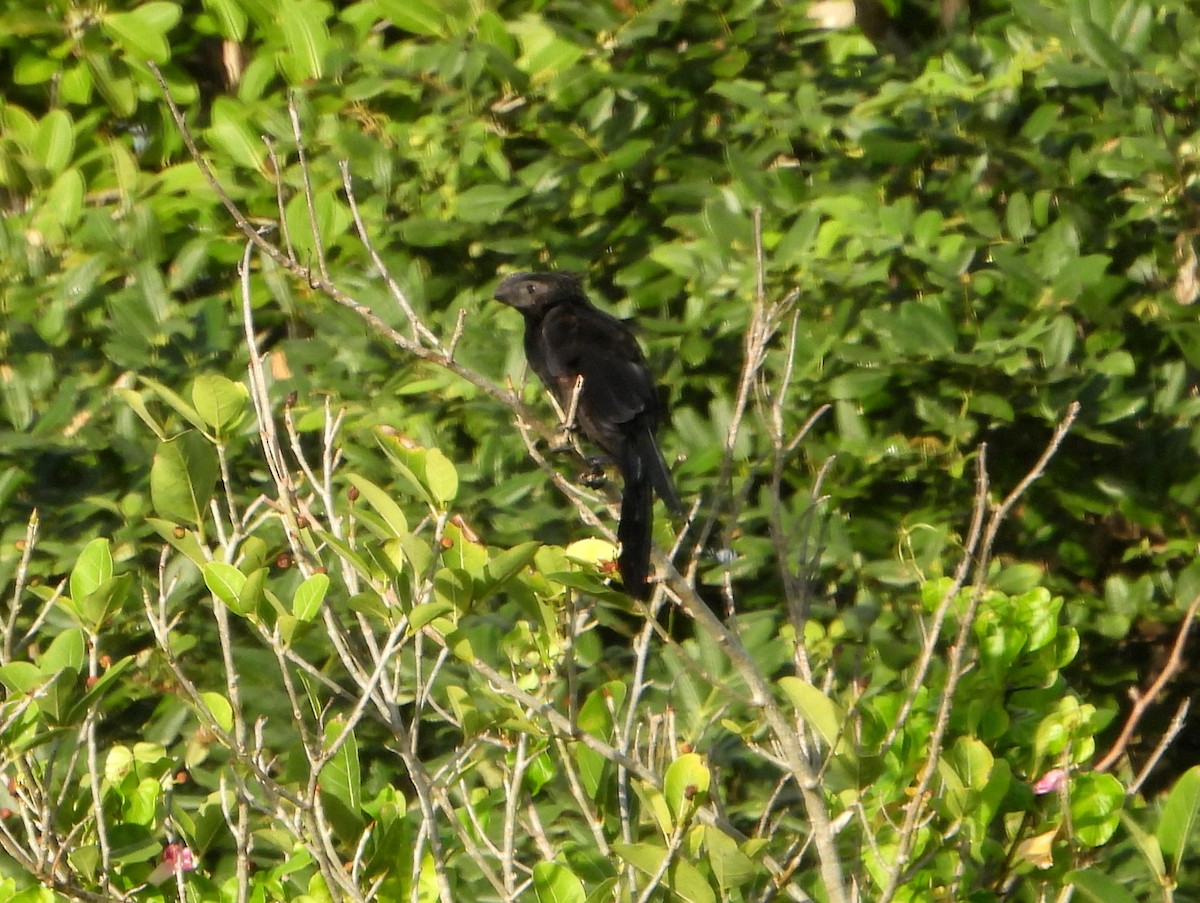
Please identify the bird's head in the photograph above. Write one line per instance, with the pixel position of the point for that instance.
(531, 292)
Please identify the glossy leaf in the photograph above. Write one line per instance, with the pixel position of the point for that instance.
(183, 478)
(1180, 815)
(310, 596)
(555, 883)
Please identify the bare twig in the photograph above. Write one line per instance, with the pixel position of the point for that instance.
(10, 623)
(921, 671)
(919, 802)
(1160, 748)
(1142, 701)
(277, 173)
(252, 233)
(309, 197)
(421, 332)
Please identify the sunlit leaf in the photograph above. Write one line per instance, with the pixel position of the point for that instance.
(92, 569)
(309, 596)
(817, 709)
(183, 478)
(555, 883)
(1180, 814)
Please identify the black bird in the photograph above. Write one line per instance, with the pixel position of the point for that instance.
(567, 337)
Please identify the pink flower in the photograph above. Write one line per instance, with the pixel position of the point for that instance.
(176, 858)
(1051, 781)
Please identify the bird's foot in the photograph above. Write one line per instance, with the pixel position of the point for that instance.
(594, 477)
(563, 439)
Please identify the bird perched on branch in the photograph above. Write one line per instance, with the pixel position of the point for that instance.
(568, 338)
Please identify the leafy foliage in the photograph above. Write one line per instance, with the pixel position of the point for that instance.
(334, 612)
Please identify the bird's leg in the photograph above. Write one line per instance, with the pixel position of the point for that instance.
(565, 439)
(573, 408)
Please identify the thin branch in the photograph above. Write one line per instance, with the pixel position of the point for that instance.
(284, 229)
(1142, 701)
(251, 232)
(421, 332)
(309, 197)
(978, 512)
(915, 809)
(10, 623)
(268, 436)
(1169, 735)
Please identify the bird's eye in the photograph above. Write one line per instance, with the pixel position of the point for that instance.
(530, 288)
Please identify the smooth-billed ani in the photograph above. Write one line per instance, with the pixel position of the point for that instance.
(567, 337)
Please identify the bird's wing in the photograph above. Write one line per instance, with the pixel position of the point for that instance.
(587, 342)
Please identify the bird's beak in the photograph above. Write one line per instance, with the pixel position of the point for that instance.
(506, 291)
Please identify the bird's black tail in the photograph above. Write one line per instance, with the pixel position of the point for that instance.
(637, 501)
(644, 472)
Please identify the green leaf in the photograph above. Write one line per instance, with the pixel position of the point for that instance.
(486, 203)
(96, 606)
(61, 207)
(341, 780)
(1147, 844)
(176, 402)
(425, 613)
(111, 676)
(1097, 887)
(130, 844)
(503, 566)
(230, 16)
(220, 402)
(226, 583)
(594, 553)
(731, 867)
(21, 677)
(67, 650)
(307, 36)
(818, 710)
(411, 463)
(159, 15)
(441, 476)
(218, 707)
(645, 857)
(1096, 801)
(141, 805)
(1018, 216)
(183, 478)
(54, 142)
(555, 883)
(254, 590)
(858, 384)
(925, 328)
(93, 569)
(117, 764)
(454, 586)
(332, 216)
(309, 596)
(142, 31)
(419, 17)
(544, 53)
(685, 784)
(1180, 813)
(1093, 41)
(137, 404)
(377, 498)
(183, 541)
(683, 878)
(231, 132)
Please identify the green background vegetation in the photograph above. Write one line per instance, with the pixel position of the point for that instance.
(947, 236)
